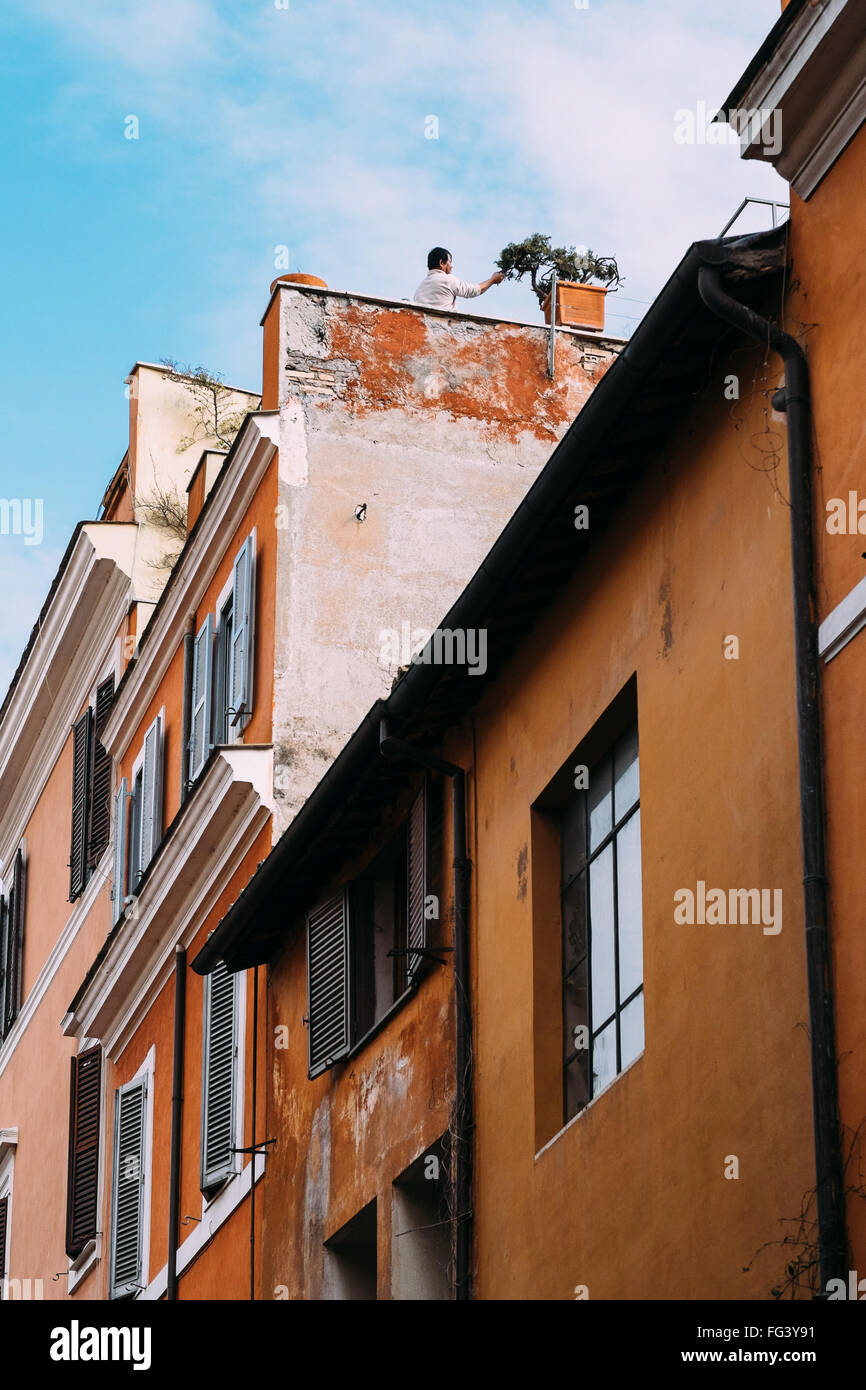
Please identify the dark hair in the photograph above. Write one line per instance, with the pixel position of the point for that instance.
(437, 256)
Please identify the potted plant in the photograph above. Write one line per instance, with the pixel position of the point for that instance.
(583, 278)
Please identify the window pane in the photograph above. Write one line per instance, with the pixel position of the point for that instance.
(631, 1030)
(576, 1085)
(625, 777)
(574, 923)
(628, 884)
(601, 929)
(576, 1012)
(600, 801)
(604, 1059)
(572, 828)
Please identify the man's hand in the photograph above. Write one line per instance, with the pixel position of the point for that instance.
(495, 279)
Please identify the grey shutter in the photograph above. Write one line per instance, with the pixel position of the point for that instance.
(328, 982)
(243, 612)
(83, 1171)
(118, 884)
(14, 945)
(219, 1078)
(416, 881)
(80, 802)
(151, 794)
(201, 699)
(127, 1208)
(100, 778)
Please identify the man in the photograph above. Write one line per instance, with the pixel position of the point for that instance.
(439, 288)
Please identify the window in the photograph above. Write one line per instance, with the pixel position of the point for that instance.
(83, 1166)
(128, 1188)
(220, 695)
(365, 944)
(201, 699)
(91, 790)
(222, 687)
(602, 930)
(240, 664)
(220, 1075)
(12, 945)
(145, 818)
(350, 1270)
(421, 1228)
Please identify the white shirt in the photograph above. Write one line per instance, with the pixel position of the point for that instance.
(439, 291)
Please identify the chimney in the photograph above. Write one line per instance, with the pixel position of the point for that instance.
(271, 336)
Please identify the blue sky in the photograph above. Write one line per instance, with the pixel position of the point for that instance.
(304, 126)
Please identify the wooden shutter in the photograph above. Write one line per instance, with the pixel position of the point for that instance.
(4, 1231)
(219, 1077)
(243, 612)
(83, 1172)
(201, 699)
(101, 776)
(118, 881)
(127, 1208)
(4, 928)
(328, 982)
(81, 737)
(416, 881)
(151, 794)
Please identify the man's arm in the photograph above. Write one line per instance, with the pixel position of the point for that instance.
(465, 291)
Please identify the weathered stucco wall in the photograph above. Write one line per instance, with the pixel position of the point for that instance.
(344, 1138)
(826, 307)
(436, 424)
(631, 1199)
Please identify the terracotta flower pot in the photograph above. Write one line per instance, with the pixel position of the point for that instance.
(577, 306)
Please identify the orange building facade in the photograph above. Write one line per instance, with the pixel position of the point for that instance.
(258, 574)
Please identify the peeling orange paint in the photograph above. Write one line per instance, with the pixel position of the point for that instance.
(403, 364)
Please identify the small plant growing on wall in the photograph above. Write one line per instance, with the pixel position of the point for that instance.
(212, 402)
(537, 258)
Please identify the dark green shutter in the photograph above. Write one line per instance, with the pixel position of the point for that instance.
(13, 946)
(81, 737)
(101, 776)
(4, 1231)
(83, 1171)
(328, 982)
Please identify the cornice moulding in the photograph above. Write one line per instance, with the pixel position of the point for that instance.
(221, 821)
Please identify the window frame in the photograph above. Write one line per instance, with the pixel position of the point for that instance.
(586, 857)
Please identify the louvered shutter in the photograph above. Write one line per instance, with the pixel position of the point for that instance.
(243, 611)
(14, 945)
(328, 982)
(118, 883)
(201, 699)
(127, 1210)
(416, 881)
(100, 778)
(81, 737)
(4, 1231)
(151, 794)
(83, 1171)
(219, 1080)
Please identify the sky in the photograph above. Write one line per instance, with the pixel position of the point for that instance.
(157, 155)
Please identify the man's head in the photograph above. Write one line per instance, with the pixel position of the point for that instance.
(439, 259)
